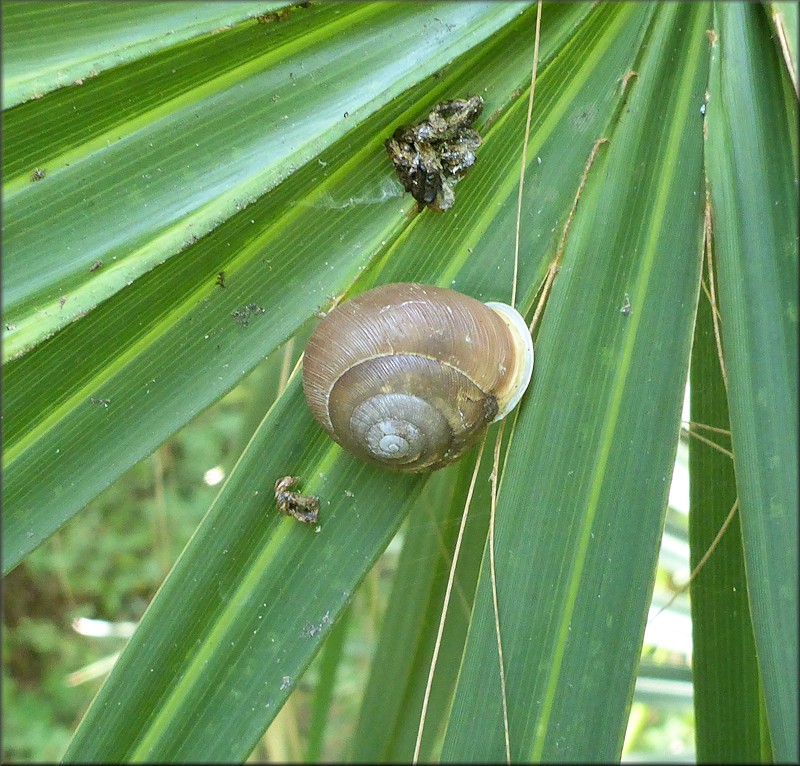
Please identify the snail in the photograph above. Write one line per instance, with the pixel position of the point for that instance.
(410, 375)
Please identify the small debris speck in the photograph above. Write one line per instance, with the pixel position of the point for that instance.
(242, 315)
(268, 18)
(304, 508)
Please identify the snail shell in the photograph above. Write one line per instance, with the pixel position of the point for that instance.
(410, 375)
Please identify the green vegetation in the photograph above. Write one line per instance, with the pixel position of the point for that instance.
(186, 187)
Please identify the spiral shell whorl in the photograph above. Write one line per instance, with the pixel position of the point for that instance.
(399, 428)
(431, 404)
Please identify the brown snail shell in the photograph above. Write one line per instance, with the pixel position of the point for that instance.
(410, 375)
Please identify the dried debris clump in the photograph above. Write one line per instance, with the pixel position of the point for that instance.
(432, 156)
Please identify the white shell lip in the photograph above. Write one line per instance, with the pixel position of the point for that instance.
(516, 323)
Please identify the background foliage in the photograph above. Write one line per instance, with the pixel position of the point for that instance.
(186, 187)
